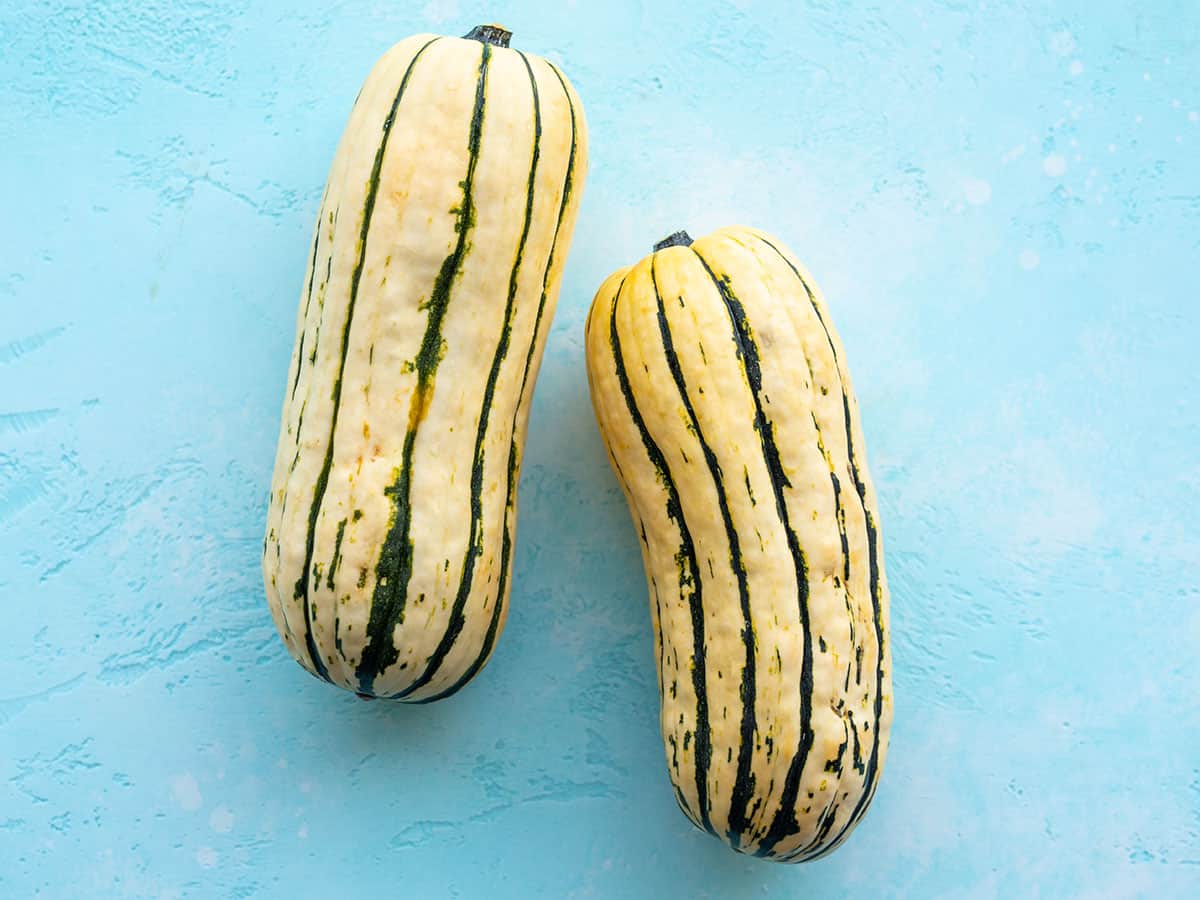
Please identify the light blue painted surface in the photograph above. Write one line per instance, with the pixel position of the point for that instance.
(1004, 209)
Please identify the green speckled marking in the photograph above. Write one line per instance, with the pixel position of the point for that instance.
(337, 553)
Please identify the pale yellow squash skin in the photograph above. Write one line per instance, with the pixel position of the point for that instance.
(789, 346)
(390, 280)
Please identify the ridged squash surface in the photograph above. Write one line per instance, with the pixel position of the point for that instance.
(722, 393)
(431, 284)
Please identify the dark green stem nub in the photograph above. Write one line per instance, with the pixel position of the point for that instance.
(489, 34)
(678, 239)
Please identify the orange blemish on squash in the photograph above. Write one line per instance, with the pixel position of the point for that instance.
(420, 407)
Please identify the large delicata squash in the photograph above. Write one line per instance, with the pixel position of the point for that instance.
(721, 391)
(431, 283)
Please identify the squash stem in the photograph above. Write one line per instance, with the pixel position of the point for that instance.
(490, 34)
(678, 239)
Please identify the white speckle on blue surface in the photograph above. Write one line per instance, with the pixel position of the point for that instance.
(1076, 67)
(187, 792)
(1062, 43)
(978, 191)
(221, 820)
(1013, 153)
(1029, 260)
(207, 857)
(1194, 116)
(1054, 165)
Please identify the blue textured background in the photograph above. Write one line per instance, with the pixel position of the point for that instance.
(1003, 206)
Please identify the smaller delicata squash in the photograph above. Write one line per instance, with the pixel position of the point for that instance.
(722, 393)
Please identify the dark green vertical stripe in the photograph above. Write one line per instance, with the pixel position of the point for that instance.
(514, 464)
(859, 767)
(743, 785)
(329, 583)
(299, 366)
(322, 482)
(689, 577)
(308, 293)
(784, 822)
(337, 553)
(312, 271)
(394, 570)
(868, 789)
(475, 540)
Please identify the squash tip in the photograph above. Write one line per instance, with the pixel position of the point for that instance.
(490, 34)
(678, 239)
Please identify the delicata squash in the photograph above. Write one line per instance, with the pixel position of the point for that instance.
(722, 394)
(431, 284)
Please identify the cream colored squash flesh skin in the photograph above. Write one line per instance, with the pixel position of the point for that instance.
(722, 394)
(431, 284)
